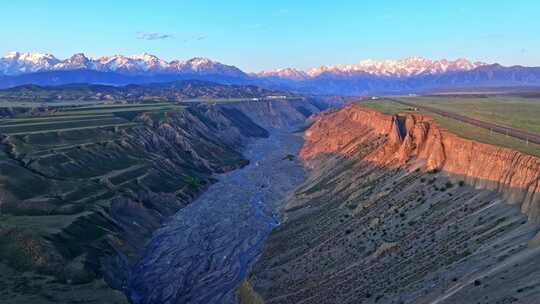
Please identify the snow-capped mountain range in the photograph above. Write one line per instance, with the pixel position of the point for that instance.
(407, 67)
(15, 63)
(409, 75)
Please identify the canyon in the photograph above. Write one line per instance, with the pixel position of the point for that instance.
(79, 205)
(270, 152)
(399, 210)
(234, 196)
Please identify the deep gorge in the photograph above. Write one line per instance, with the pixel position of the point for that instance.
(244, 199)
(398, 210)
(94, 197)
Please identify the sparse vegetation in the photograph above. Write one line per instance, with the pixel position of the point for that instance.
(289, 157)
(193, 181)
(79, 175)
(351, 206)
(512, 111)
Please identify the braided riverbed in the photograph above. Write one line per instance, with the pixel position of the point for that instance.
(204, 252)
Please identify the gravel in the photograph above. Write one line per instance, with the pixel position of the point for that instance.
(206, 250)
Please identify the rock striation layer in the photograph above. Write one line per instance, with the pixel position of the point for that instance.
(413, 137)
(398, 210)
(77, 206)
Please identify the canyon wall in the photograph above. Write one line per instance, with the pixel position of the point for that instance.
(77, 206)
(286, 114)
(413, 137)
(398, 210)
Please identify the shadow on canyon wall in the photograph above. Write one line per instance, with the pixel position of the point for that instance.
(78, 206)
(397, 210)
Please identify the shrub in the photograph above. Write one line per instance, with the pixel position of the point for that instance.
(193, 181)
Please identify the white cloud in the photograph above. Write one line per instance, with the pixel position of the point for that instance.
(153, 36)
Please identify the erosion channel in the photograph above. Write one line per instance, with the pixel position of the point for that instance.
(203, 253)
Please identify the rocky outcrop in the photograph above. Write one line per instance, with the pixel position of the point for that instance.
(412, 137)
(398, 210)
(283, 114)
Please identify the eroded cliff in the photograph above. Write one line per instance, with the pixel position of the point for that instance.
(418, 138)
(78, 205)
(398, 210)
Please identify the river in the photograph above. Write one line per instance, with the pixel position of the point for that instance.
(205, 251)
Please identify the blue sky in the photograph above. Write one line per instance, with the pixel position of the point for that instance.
(256, 35)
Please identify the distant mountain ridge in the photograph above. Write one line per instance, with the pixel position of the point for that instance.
(15, 63)
(163, 91)
(409, 75)
(412, 66)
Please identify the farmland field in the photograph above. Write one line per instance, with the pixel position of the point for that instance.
(516, 112)
(513, 112)
(79, 183)
(78, 118)
(77, 142)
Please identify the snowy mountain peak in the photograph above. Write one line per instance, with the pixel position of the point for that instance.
(79, 56)
(202, 65)
(76, 62)
(11, 55)
(144, 57)
(200, 61)
(411, 66)
(14, 63)
(17, 63)
(287, 73)
(30, 57)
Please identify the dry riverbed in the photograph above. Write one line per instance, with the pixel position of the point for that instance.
(206, 250)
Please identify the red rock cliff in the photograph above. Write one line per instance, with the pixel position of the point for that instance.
(410, 138)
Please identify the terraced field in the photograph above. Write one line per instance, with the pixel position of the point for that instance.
(77, 118)
(82, 186)
(74, 142)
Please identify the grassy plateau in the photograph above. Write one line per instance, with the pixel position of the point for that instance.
(516, 112)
